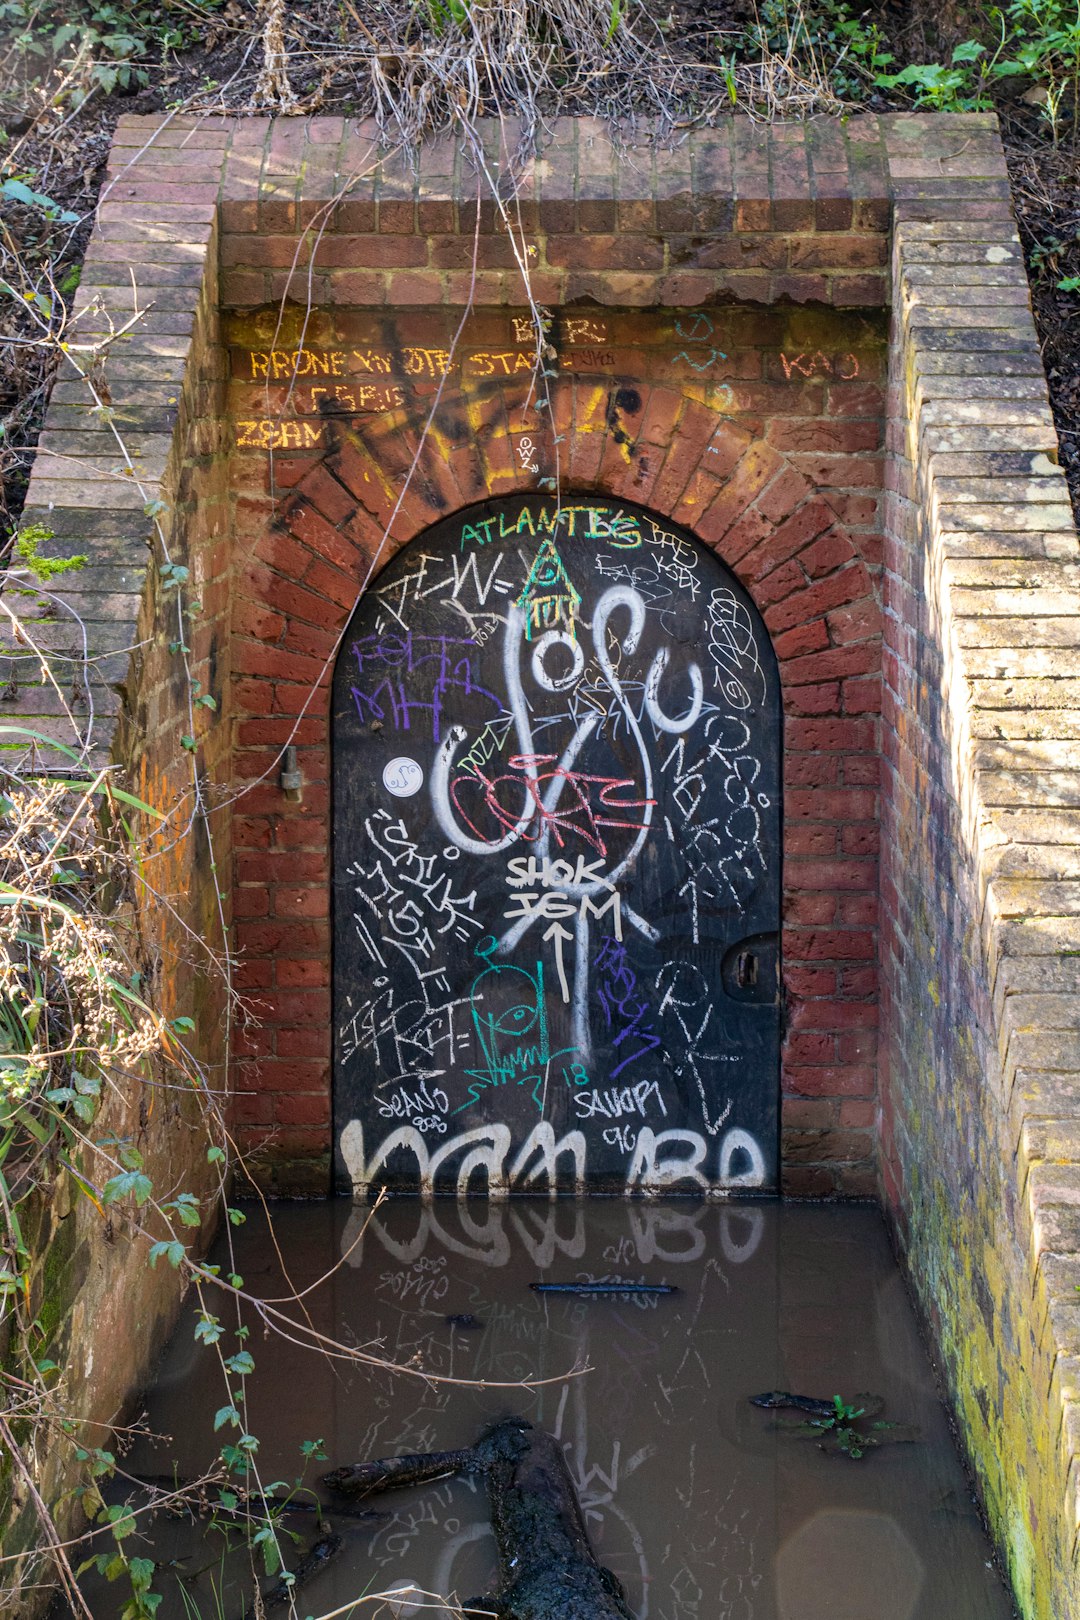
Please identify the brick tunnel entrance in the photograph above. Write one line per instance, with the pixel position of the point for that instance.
(751, 437)
(557, 832)
(337, 356)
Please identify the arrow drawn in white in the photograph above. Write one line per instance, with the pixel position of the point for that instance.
(559, 933)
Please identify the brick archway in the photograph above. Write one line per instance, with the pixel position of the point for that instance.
(378, 482)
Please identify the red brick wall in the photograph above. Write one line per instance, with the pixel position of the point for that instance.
(759, 430)
(334, 242)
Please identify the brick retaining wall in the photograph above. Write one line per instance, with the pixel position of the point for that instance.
(979, 991)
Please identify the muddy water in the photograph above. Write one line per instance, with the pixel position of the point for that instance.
(706, 1507)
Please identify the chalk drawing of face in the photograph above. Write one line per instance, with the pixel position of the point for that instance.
(505, 1008)
(508, 1016)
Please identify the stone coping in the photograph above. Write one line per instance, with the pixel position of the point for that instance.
(200, 213)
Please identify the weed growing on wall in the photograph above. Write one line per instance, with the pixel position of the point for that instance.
(82, 1044)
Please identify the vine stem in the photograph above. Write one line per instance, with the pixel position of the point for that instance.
(63, 1565)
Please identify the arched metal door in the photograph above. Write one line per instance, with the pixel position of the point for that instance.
(556, 862)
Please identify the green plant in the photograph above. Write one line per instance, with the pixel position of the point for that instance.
(840, 1424)
(962, 86)
(1034, 39)
(15, 189)
(439, 13)
(112, 39)
(27, 549)
(829, 37)
(1045, 45)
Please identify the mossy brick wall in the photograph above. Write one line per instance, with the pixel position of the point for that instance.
(980, 1011)
(103, 1311)
(779, 241)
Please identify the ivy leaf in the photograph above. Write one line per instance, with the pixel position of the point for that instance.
(208, 1330)
(215, 1155)
(173, 1252)
(101, 1462)
(226, 1414)
(187, 741)
(187, 1207)
(969, 51)
(131, 1184)
(122, 1521)
(242, 1363)
(84, 1107)
(141, 1572)
(240, 1455)
(267, 1539)
(18, 191)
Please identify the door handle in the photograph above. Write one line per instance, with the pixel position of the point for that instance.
(746, 970)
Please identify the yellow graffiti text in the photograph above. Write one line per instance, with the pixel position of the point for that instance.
(283, 364)
(270, 435)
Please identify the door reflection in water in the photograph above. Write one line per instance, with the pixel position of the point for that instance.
(706, 1507)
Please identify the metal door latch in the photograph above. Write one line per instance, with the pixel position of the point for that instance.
(746, 970)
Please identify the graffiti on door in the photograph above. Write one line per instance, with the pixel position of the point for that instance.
(557, 876)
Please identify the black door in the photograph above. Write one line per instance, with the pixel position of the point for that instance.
(556, 862)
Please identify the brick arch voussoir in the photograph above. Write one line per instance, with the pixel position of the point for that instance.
(373, 491)
(772, 527)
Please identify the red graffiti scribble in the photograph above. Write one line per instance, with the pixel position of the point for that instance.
(843, 366)
(580, 819)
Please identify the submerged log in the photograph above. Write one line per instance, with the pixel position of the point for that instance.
(548, 1570)
(313, 1562)
(248, 1502)
(815, 1406)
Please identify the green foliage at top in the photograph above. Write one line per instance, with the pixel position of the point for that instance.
(1031, 39)
(846, 43)
(117, 37)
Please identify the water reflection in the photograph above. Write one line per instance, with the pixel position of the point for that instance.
(849, 1564)
(702, 1506)
(491, 1233)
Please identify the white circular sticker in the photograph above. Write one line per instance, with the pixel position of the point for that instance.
(403, 777)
